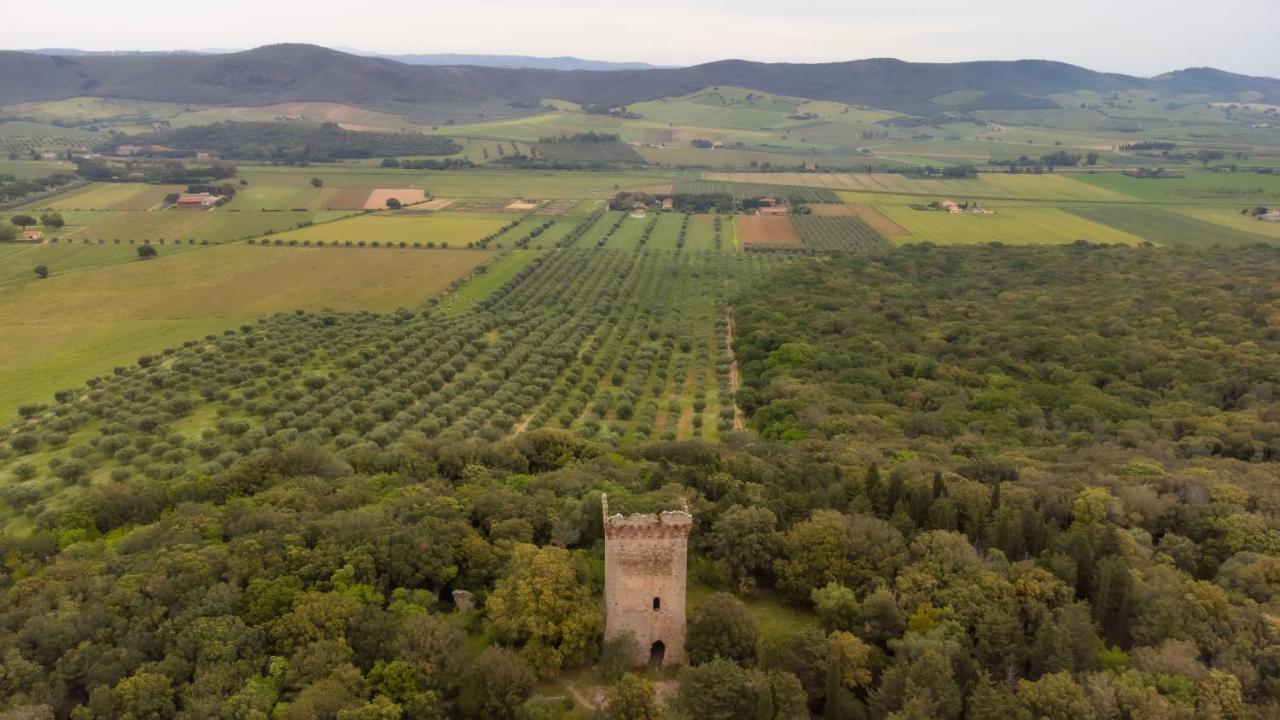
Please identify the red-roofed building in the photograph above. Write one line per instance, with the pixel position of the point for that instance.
(197, 200)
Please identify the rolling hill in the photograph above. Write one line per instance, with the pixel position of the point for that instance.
(283, 73)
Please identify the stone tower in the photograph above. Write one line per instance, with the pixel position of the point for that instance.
(645, 566)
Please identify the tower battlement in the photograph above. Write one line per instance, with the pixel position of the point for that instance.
(645, 561)
(667, 524)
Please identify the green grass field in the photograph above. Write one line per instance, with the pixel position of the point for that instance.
(217, 226)
(1232, 218)
(1165, 227)
(56, 333)
(18, 260)
(1216, 188)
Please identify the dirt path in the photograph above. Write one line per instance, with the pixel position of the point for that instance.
(735, 378)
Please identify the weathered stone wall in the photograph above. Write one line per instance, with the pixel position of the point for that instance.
(645, 558)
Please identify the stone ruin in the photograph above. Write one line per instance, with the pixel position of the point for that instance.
(645, 575)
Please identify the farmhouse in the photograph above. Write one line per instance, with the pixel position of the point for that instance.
(951, 207)
(668, 204)
(1271, 217)
(773, 211)
(32, 235)
(197, 200)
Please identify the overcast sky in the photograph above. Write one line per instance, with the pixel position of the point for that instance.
(1141, 37)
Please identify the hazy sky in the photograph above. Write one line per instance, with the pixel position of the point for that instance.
(1133, 36)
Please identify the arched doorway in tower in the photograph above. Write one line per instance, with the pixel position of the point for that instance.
(657, 652)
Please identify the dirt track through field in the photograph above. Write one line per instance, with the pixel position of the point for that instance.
(735, 377)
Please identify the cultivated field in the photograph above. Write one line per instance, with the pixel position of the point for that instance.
(986, 185)
(838, 233)
(1166, 227)
(107, 196)
(455, 229)
(94, 313)
(377, 199)
(762, 231)
(745, 190)
(1010, 225)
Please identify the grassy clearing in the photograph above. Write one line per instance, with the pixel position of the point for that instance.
(776, 620)
(484, 284)
(57, 332)
(628, 236)
(1010, 225)
(597, 231)
(1165, 227)
(702, 233)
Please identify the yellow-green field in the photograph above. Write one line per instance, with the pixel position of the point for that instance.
(98, 196)
(55, 333)
(1231, 217)
(456, 229)
(216, 226)
(987, 185)
(1010, 225)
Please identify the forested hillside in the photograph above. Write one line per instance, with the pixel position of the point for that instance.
(282, 73)
(277, 141)
(995, 495)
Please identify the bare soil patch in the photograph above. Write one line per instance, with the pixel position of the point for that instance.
(480, 206)
(377, 199)
(764, 230)
(558, 207)
(341, 199)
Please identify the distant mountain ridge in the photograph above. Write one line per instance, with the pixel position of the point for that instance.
(291, 73)
(563, 62)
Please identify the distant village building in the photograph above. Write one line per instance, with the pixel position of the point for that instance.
(645, 579)
(197, 200)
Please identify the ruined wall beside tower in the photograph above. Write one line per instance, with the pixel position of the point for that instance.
(645, 569)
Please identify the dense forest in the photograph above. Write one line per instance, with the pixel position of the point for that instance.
(291, 142)
(1006, 484)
